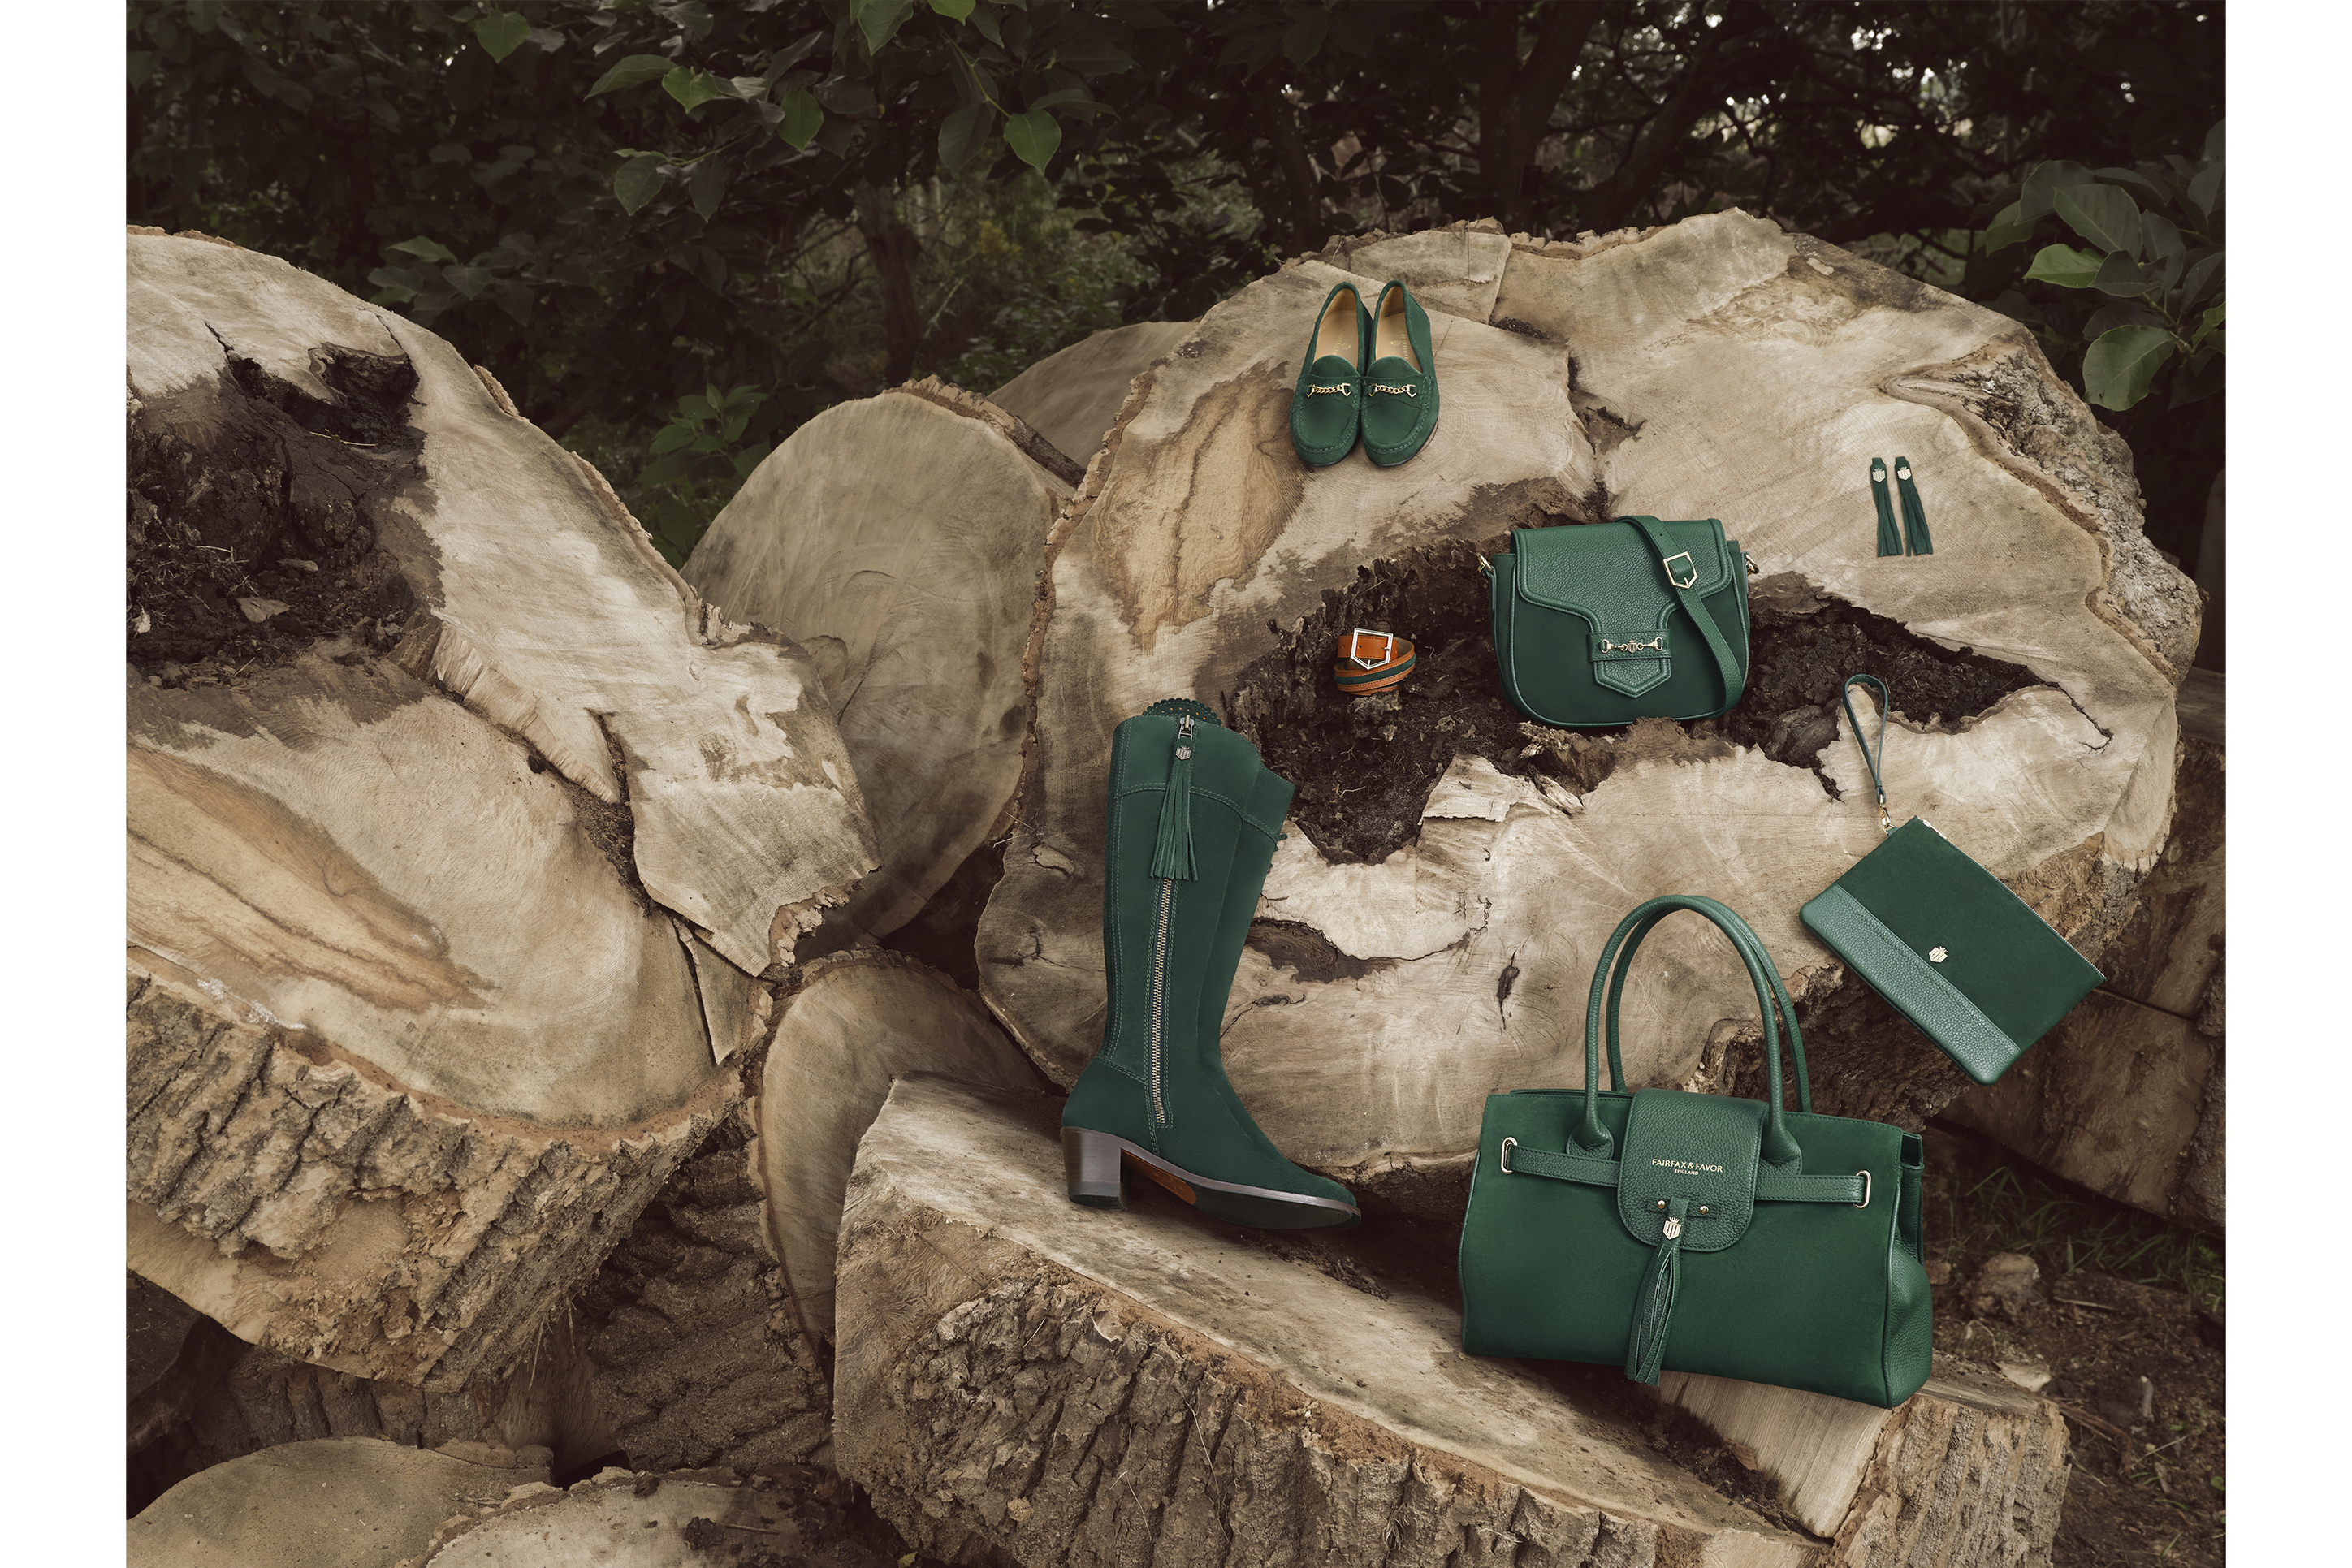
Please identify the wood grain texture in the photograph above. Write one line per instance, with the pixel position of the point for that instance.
(1965, 1471)
(1456, 269)
(899, 540)
(849, 1027)
(1068, 1386)
(553, 616)
(2126, 1094)
(338, 1502)
(1072, 395)
(1721, 368)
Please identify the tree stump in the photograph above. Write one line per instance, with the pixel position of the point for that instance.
(339, 1503)
(460, 827)
(1966, 1470)
(1430, 926)
(1068, 1386)
(2128, 1095)
(1071, 397)
(913, 582)
(850, 1025)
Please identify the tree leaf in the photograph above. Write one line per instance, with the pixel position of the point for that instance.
(964, 133)
(2103, 214)
(706, 185)
(636, 180)
(2205, 192)
(2064, 266)
(631, 71)
(2214, 142)
(502, 33)
(1034, 136)
(1304, 37)
(2203, 275)
(2007, 229)
(2120, 313)
(2118, 368)
(515, 298)
(424, 249)
(953, 10)
(469, 281)
(143, 66)
(986, 22)
(2163, 236)
(692, 87)
(879, 20)
(2141, 187)
(670, 437)
(1071, 101)
(803, 117)
(2044, 183)
(2121, 275)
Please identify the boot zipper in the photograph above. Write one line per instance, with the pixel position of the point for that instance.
(1159, 948)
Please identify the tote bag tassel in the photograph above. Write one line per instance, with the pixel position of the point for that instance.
(1890, 533)
(1915, 517)
(1171, 848)
(1653, 1301)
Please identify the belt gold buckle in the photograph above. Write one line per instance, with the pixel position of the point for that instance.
(1389, 652)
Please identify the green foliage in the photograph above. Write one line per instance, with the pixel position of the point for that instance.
(2154, 265)
(698, 461)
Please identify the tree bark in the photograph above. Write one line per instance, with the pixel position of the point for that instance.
(441, 909)
(1023, 1376)
(895, 251)
(1429, 929)
(1516, 97)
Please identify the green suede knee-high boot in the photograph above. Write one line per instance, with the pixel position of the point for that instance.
(1192, 823)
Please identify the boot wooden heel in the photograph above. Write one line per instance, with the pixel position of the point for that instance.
(1091, 1162)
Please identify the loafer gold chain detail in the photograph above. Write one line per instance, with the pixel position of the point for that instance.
(1382, 386)
(1343, 389)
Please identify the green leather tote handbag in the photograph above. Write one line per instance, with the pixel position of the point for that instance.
(1967, 961)
(1697, 1232)
(1601, 624)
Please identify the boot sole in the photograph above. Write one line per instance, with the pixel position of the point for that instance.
(1097, 1165)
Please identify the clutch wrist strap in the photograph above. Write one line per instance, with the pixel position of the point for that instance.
(1871, 756)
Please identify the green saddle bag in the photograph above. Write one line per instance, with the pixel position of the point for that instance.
(1661, 1230)
(1600, 625)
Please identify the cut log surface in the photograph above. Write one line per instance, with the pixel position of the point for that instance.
(1071, 396)
(437, 922)
(2128, 1094)
(623, 1519)
(1716, 368)
(852, 1024)
(339, 1503)
(1965, 1471)
(1069, 1386)
(899, 540)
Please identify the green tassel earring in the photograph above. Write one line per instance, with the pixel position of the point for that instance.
(1890, 537)
(1914, 519)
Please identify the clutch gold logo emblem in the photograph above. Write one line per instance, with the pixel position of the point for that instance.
(1936, 954)
(1687, 1167)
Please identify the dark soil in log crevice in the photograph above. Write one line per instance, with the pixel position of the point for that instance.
(1364, 766)
(255, 491)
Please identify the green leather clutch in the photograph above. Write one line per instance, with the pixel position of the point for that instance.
(1697, 1232)
(1603, 625)
(1969, 962)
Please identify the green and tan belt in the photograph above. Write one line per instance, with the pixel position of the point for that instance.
(1372, 662)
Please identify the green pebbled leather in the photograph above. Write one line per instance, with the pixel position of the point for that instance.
(1158, 1083)
(1590, 630)
(1564, 1253)
(1323, 424)
(1400, 393)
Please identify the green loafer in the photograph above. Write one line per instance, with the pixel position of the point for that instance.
(1400, 383)
(1327, 408)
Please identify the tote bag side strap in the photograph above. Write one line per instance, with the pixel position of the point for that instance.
(1591, 1138)
(1682, 575)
